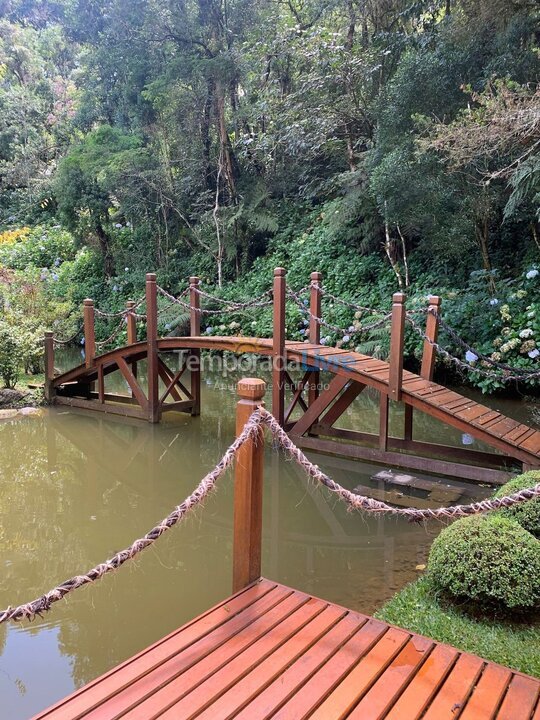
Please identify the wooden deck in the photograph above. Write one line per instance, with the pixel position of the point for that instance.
(273, 652)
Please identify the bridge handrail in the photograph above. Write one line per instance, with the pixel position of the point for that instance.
(518, 374)
(247, 518)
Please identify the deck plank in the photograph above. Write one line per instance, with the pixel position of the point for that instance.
(274, 652)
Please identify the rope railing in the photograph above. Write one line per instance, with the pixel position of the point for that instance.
(336, 328)
(456, 337)
(260, 418)
(40, 605)
(69, 340)
(119, 313)
(510, 373)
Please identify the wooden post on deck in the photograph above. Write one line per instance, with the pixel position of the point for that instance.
(89, 332)
(314, 330)
(248, 489)
(278, 352)
(432, 332)
(152, 357)
(396, 346)
(49, 366)
(195, 353)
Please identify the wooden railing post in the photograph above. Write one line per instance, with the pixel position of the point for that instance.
(131, 321)
(278, 352)
(89, 332)
(152, 357)
(248, 489)
(195, 353)
(315, 305)
(49, 366)
(432, 332)
(396, 346)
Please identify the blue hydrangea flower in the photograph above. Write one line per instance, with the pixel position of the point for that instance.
(467, 439)
(470, 356)
(493, 302)
(531, 274)
(534, 353)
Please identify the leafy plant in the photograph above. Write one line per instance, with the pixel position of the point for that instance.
(490, 561)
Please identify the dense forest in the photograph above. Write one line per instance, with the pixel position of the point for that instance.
(390, 144)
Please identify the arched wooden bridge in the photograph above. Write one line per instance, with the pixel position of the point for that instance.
(320, 409)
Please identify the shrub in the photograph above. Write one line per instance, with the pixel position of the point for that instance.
(491, 561)
(10, 356)
(526, 514)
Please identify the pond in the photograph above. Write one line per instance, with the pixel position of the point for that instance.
(77, 487)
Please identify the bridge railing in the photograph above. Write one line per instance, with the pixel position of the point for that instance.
(129, 317)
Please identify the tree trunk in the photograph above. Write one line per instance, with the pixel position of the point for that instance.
(227, 155)
(482, 235)
(105, 249)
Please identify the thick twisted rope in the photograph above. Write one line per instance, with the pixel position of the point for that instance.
(485, 358)
(259, 418)
(117, 330)
(335, 328)
(69, 340)
(467, 367)
(367, 504)
(120, 313)
(345, 303)
(29, 610)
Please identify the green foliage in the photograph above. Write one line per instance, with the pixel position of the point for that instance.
(420, 608)
(490, 561)
(526, 514)
(10, 355)
(43, 247)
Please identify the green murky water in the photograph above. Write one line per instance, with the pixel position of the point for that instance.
(75, 488)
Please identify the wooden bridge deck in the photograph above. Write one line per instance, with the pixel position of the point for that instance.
(508, 436)
(273, 652)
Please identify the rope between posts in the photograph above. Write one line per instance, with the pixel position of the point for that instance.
(467, 366)
(69, 340)
(120, 313)
(335, 328)
(256, 421)
(208, 483)
(485, 358)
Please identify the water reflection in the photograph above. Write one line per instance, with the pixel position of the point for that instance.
(77, 487)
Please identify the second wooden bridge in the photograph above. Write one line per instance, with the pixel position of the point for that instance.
(311, 411)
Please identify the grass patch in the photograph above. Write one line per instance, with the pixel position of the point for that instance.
(515, 644)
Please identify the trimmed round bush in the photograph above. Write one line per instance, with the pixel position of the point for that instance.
(490, 560)
(527, 514)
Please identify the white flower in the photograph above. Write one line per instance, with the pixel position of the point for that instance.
(346, 338)
(323, 341)
(470, 356)
(351, 328)
(117, 225)
(493, 302)
(531, 274)
(527, 333)
(126, 269)
(534, 353)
